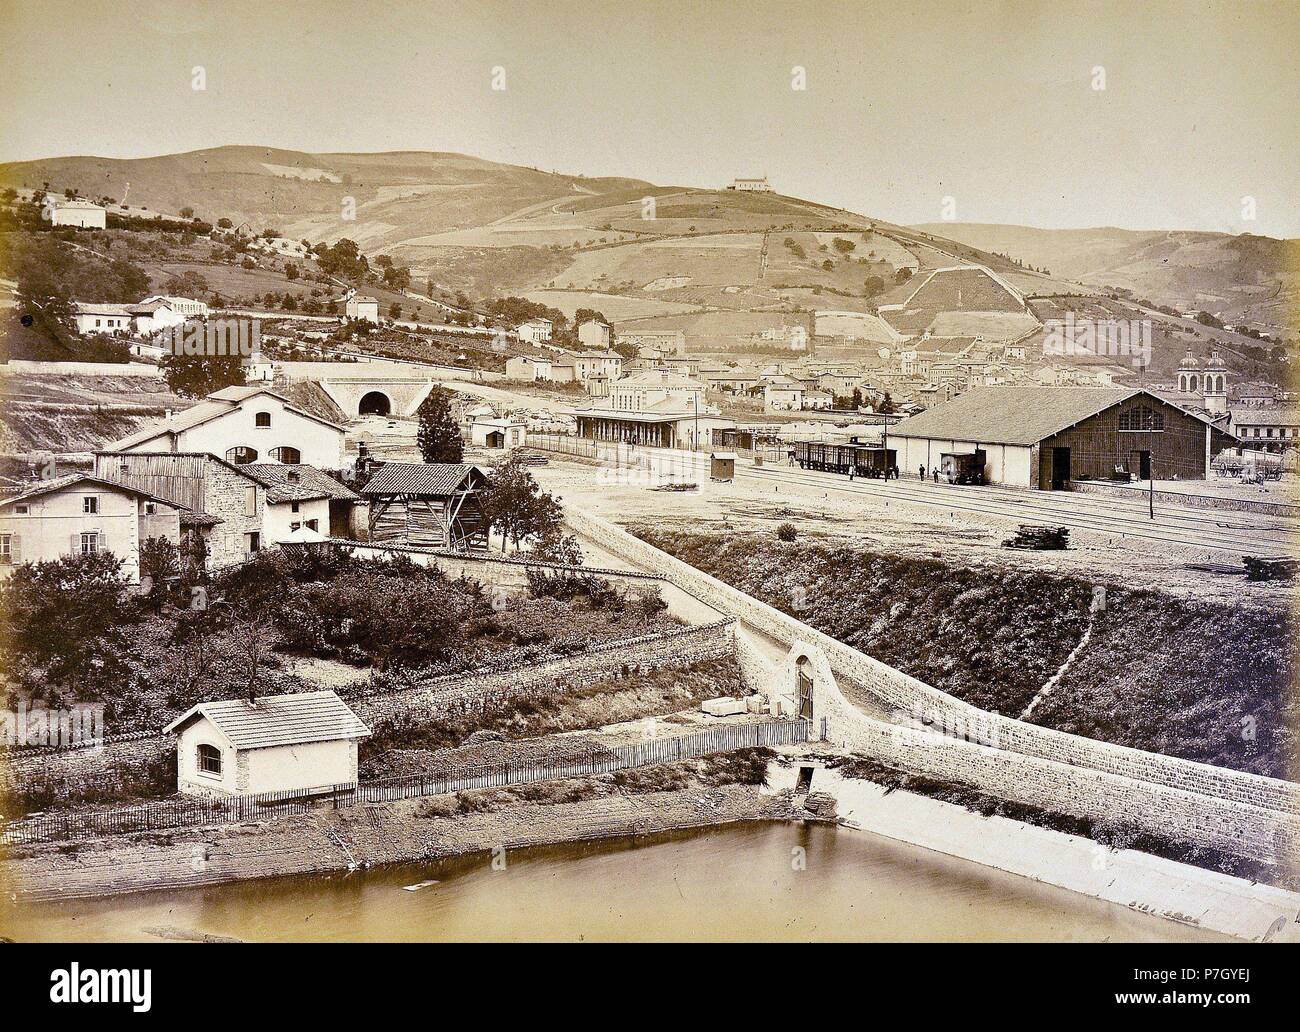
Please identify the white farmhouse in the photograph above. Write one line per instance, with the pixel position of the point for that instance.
(362, 307)
(280, 743)
(525, 368)
(81, 514)
(496, 432)
(94, 317)
(535, 330)
(594, 334)
(244, 424)
(83, 214)
(160, 311)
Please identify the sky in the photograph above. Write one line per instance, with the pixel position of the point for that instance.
(910, 111)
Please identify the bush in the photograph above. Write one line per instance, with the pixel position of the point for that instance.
(787, 532)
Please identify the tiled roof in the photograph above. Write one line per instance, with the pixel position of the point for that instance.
(279, 720)
(420, 478)
(218, 403)
(310, 482)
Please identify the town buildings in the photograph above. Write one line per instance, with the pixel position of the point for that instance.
(657, 407)
(153, 313)
(594, 334)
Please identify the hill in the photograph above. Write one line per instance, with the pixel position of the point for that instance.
(1242, 279)
(486, 227)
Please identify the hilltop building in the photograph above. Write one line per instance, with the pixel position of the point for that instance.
(752, 185)
(535, 331)
(80, 213)
(362, 307)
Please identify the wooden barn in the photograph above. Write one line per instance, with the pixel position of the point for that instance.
(1047, 437)
(430, 504)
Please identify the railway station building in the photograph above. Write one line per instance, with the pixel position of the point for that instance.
(1046, 437)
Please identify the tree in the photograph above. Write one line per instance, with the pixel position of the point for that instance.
(873, 286)
(188, 212)
(290, 271)
(197, 376)
(842, 245)
(518, 508)
(438, 435)
(66, 614)
(224, 223)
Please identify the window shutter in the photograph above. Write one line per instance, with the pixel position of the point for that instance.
(15, 549)
(76, 543)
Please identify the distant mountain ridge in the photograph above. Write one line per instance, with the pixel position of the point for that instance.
(1244, 278)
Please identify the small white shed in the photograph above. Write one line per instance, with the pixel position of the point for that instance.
(279, 743)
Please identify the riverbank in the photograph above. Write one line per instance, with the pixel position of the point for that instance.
(325, 841)
(497, 825)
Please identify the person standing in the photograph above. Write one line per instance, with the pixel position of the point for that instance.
(921, 475)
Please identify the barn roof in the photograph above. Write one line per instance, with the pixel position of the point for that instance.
(421, 478)
(1017, 415)
(278, 720)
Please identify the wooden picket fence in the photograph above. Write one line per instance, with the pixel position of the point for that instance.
(194, 811)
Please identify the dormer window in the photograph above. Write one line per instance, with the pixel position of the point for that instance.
(262, 419)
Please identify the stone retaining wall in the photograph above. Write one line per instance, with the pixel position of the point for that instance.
(1008, 745)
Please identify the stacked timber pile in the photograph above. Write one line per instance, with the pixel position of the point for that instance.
(527, 457)
(1270, 567)
(1039, 538)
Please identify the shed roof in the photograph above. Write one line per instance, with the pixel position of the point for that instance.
(1019, 415)
(278, 720)
(421, 478)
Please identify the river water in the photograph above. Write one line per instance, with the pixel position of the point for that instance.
(746, 881)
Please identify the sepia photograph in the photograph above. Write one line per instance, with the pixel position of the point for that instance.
(753, 471)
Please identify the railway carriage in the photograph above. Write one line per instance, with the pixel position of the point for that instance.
(862, 460)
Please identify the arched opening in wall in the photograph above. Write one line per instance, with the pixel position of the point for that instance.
(375, 403)
(286, 453)
(803, 675)
(241, 455)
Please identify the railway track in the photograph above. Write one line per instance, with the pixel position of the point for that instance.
(1194, 531)
(1114, 518)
